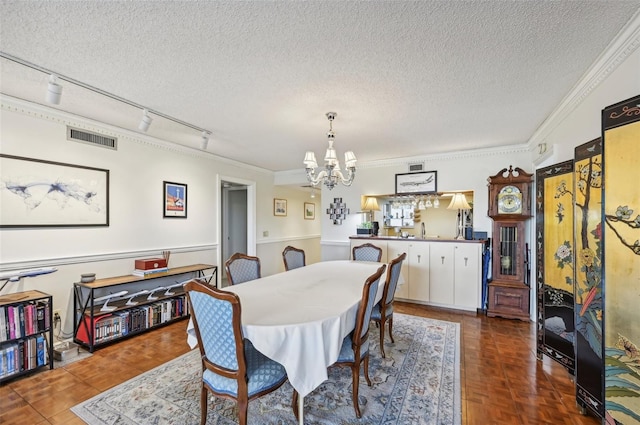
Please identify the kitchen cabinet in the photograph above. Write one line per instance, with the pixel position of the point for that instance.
(418, 263)
(394, 249)
(446, 273)
(441, 273)
(467, 281)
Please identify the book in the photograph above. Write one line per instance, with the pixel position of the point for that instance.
(41, 356)
(11, 319)
(40, 309)
(144, 273)
(4, 330)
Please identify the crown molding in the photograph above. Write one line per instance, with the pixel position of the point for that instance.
(453, 155)
(298, 176)
(620, 48)
(39, 111)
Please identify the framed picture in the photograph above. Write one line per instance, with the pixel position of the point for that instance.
(279, 207)
(309, 211)
(174, 200)
(418, 183)
(39, 193)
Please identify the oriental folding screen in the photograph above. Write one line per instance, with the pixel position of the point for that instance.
(554, 263)
(588, 289)
(621, 270)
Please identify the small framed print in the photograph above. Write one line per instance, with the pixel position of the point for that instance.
(309, 211)
(279, 207)
(174, 200)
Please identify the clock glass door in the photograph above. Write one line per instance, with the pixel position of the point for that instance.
(508, 250)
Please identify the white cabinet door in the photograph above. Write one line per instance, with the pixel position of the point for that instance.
(394, 249)
(468, 274)
(380, 244)
(419, 271)
(441, 273)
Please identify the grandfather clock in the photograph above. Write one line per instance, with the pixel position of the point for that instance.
(510, 208)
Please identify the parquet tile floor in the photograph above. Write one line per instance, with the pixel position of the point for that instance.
(502, 380)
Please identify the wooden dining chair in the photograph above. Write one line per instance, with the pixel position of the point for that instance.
(383, 311)
(367, 252)
(242, 268)
(293, 258)
(232, 367)
(355, 346)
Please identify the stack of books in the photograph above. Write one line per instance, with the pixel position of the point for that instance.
(150, 272)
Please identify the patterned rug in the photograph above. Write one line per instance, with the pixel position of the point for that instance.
(417, 383)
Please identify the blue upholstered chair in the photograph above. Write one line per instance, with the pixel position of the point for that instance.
(355, 346)
(293, 258)
(367, 252)
(386, 303)
(242, 268)
(232, 368)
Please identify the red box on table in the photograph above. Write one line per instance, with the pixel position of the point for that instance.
(150, 263)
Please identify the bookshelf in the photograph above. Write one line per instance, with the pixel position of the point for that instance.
(113, 308)
(26, 333)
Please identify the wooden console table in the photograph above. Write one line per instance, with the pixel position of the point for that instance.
(109, 309)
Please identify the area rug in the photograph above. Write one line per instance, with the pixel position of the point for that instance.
(417, 383)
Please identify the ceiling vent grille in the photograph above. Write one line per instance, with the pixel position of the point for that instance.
(95, 139)
(416, 167)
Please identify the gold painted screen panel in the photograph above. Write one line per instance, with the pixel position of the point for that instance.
(555, 263)
(588, 292)
(621, 276)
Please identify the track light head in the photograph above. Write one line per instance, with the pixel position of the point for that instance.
(54, 90)
(205, 140)
(145, 122)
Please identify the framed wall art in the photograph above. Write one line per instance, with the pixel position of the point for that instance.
(174, 200)
(417, 183)
(309, 211)
(280, 207)
(39, 193)
(337, 211)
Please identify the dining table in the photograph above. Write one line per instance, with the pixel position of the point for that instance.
(300, 317)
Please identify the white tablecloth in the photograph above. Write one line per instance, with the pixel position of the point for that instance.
(300, 317)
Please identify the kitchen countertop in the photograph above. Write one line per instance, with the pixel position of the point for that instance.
(395, 238)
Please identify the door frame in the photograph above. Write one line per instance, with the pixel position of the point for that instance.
(251, 216)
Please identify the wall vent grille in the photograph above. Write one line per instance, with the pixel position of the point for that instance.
(416, 167)
(95, 139)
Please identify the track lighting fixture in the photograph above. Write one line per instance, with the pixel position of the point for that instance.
(205, 140)
(54, 94)
(54, 90)
(145, 122)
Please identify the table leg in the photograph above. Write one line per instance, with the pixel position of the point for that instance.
(301, 410)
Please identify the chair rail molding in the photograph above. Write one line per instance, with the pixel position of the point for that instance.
(94, 258)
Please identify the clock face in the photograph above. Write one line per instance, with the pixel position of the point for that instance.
(510, 200)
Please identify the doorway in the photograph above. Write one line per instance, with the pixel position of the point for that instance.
(237, 222)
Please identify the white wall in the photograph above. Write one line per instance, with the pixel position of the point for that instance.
(583, 122)
(456, 172)
(292, 230)
(137, 228)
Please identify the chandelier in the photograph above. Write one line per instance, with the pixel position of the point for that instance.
(330, 174)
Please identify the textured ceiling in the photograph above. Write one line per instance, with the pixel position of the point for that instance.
(406, 78)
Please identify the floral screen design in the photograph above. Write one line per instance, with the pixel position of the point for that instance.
(554, 224)
(588, 289)
(622, 271)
